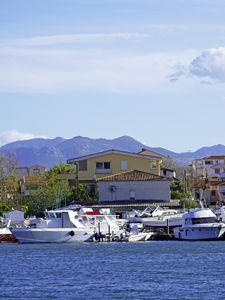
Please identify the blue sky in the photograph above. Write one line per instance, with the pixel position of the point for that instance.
(151, 69)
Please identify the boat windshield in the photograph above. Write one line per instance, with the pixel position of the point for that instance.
(53, 215)
(204, 220)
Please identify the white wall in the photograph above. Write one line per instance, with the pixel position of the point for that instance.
(144, 191)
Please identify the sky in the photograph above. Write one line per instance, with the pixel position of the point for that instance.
(150, 69)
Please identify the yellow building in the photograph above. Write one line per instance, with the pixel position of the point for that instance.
(95, 166)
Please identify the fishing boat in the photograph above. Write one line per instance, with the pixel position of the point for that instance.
(200, 224)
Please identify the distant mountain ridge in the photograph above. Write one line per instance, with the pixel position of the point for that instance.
(49, 152)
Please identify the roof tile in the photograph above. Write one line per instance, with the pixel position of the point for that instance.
(134, 175)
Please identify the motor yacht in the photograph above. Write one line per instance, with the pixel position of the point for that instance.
(200, 224)
(57, 226)
(156, 217)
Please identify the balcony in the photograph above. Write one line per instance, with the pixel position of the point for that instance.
(103, 171)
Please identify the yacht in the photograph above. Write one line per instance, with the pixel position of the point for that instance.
(200, 224)
(155, 217)
(162, 218)
(58, 226)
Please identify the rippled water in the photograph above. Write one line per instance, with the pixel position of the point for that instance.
(148, 270)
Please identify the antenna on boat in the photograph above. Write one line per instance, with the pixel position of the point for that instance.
(202, 203)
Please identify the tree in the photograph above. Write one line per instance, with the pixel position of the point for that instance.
(54, 192)
(177, 189)
(62, 169)
(168, 163)
(4, 208)
(7, 166)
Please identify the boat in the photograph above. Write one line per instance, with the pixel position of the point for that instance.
(6, 235)
(137, 236)
(58, 226)
(200, 224)
(219, 211)
(157, 217)
(105, 223)
(164, 221)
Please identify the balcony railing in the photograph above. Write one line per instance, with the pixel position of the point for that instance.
(103, 171)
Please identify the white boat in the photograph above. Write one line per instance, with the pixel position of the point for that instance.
(137, 236)
(219, 211)
(200, 224)
(105, 224)
(158, 217)
(58, 226)
(164, 220)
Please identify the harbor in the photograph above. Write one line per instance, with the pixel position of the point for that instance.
(84, 224)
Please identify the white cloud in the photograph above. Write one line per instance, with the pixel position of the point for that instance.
(208, 66)
(14, 135)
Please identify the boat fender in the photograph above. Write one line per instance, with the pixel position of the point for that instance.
(72, 233)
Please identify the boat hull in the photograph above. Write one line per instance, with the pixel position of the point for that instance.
(139, 237)
(6, 236)
(52, 235)
(199, 233)
(156, 222)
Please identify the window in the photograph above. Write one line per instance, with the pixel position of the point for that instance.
(83, 165)
(132, 194)
(123, 165)
(208, 162)
(107, 165)
(103, 165)
(36, 171)
(153, 165)
(217, 171)
(196, 221)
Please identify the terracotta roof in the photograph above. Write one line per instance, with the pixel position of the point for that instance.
(134, 175)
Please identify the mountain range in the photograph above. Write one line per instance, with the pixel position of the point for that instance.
(49, 152)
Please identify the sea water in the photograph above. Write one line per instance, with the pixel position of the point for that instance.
(144, 270)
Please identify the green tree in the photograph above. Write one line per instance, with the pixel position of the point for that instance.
(62, 169)
(177, 189)
(3, 208)
(54, 192)
(9, 191)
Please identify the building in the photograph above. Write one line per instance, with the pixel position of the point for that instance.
(209, 178)
(168, 173)
(132, 187)
(98, 165)
(14, 217)
(209, 167)
(35, 170)
(29, 178)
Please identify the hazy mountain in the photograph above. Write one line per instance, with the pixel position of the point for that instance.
(48, 152)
